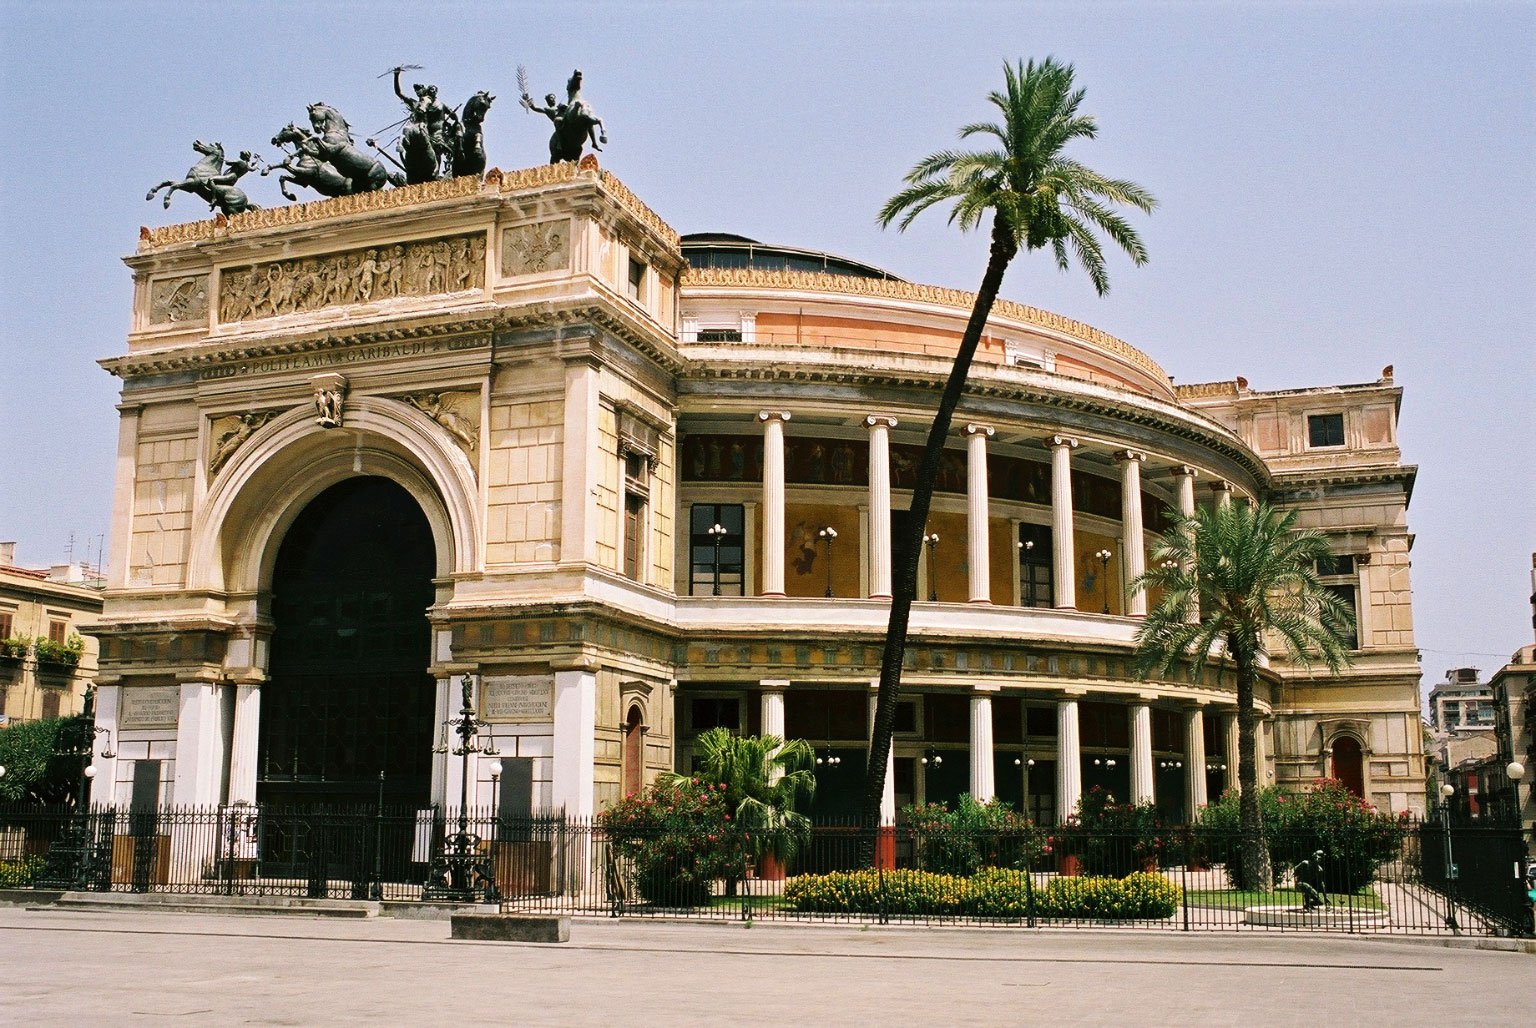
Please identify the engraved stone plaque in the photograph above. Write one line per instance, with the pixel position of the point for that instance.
(518, 699)
(154, 706)
(535, 249)
(173, 300)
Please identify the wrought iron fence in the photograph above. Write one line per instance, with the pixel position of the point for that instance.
(1428, 878)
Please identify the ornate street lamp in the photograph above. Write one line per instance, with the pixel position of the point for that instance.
(717, 533)
(459, 873)
(931, 540)
(1104, 556)
(827, 535)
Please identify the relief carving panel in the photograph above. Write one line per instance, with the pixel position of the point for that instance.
(174, 300)
(421, 268)
(458, 413)
(535, 249)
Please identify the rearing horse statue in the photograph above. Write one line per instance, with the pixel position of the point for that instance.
(334, 138)
(211, 180)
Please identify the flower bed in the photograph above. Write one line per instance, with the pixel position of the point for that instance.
(16, 874)
(991, 892)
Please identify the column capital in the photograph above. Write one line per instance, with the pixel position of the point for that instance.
(982, 430)
(1185, 471)
(986, 690)
(1221, 485)
(1130, 455)
(773, 415)
(880, 421)
(773, 684)
(1056, 441)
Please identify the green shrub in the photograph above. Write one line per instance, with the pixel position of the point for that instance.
(1114, 839)
(991, 892)
(43, 759)
(1355, 837)
(678, 838)
(18, 874)
(15, 648)
(972, 836)
(65, 654)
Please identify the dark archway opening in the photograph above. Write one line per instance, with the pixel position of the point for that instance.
(348, 694)
(634, 752)
(1348, 765)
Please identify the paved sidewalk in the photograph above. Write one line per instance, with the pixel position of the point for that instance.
(141, 968)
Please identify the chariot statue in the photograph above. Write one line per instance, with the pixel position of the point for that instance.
(326, 159)
(213, 179)
(574, 121)
(437, 141)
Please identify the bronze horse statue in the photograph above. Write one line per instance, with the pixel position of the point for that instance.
(469, 147)
(437, 141)
(333, 138)
(575, 122)
(213, 180)
(304, 166)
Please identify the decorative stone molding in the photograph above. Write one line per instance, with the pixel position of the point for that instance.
(175, 300)
(450, 264)
(773, 415)
(1134, 455)
(227, 434)
(879, 419)
(984, 430)
(891, 289)
(330, 395)
(1061, 440)
(535, 249)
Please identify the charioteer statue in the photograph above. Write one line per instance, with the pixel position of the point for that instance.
(438, 141)
(213, 179)
(574, 121)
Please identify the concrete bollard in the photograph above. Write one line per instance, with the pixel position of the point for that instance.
(510, 928)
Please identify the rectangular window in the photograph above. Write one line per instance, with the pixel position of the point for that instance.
(717, 547)
(706, 712)
(634, 535)
(58, 631)
(1325, 429)
(1346, 593)
(719, 335)
(1036, 585)
(7, 624)
(1336, 564)
(50, 703)
(906, 717)
(635, 286)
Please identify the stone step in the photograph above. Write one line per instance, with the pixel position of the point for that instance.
(252, 905)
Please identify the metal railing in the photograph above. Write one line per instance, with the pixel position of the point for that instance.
(1179, 879)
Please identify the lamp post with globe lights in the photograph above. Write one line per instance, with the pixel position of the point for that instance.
(828, 535)
(717, 533)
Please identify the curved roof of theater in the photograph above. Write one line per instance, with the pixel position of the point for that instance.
(827, 301)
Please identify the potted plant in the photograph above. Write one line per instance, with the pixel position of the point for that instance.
(14, 649)
(63, 656)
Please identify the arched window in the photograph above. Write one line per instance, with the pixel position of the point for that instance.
(634, 752)
(1348, 767)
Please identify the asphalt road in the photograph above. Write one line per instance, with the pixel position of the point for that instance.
(61, 967)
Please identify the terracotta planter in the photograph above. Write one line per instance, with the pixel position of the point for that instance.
(1069, 865)
(885, 848)
(1149, 865)
(769, 869)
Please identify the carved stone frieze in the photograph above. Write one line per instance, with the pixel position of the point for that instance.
(227, 434)
(458, 413)
(535, 249)
(174, 300)
(420, 268)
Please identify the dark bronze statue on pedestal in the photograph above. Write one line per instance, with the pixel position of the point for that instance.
(1309, 882)
(213, 180)
(574, 121)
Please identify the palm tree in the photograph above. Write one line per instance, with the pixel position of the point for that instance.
(764, 777)
(1038, 198)
(1230, 578)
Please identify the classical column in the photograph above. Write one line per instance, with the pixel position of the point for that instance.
(1194, 761)
(1184, 476)
(976, 525)
(199, 746)
(1229, 747)
(1142, 788)
(983, 773)
(888, 794)
(880, 505)
(773, 501)
(1222, 490)
(1135, 541)
(578, 502)
(773, 713)
(575, 740)
(1069, 760)
(1062, 546)
(242, 748)
(1260, 758)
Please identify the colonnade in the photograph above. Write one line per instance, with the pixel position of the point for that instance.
(879, 427)
(1069, 753)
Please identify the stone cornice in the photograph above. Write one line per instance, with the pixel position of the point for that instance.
(1394, 474)
(494, 182)
(893, 289)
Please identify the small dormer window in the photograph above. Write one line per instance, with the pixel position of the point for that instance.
(636, 284)
(1325, 430)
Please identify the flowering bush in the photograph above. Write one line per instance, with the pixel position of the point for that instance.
(991, 892)
(678, 838)
(64, 654)
(16, 874)
(1112, 838)
(1355, 837)
(972, 836)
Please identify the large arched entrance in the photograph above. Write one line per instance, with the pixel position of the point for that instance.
(348, 694)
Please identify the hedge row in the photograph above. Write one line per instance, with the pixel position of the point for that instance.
(991, 892)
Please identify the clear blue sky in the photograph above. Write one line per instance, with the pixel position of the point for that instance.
(1343, 186)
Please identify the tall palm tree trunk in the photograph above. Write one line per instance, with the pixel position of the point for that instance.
(909, 544)
(1254, 853)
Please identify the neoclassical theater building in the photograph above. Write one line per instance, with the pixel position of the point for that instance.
(635, 486)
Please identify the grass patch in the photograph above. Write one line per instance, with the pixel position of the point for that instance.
(1241, 899)
(771, 902)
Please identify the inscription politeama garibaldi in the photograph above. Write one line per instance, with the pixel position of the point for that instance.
(425, 267)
